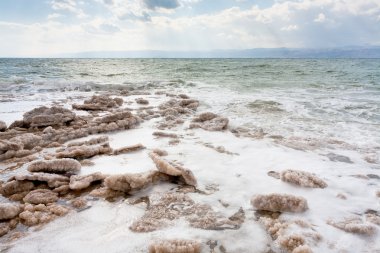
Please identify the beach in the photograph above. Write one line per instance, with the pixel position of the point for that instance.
(221, 155)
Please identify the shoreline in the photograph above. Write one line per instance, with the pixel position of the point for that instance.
(230, 165)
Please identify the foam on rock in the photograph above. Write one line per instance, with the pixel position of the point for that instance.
(279, 203)
(55, 166)
(302, 178)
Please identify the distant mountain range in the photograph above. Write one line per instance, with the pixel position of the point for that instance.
(344, 52)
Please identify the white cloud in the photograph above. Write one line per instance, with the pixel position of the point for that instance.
(68, 5)
(303, 23)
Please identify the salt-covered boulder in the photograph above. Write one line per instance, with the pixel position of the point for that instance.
(14, 187)
(3, 126)
(302, 178)
(173, 169)
(175, 246)
(41, 196)
(9, 211)
(128, 149)
(44, 116)
(210, 122)
(142, 101)
(115, 117)
(130, 181)
(354, 225)
(93, 141)
(59, 166)
(279, 203)
(99, 103)
(84, 181)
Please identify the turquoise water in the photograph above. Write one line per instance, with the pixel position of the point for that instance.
(309, 98)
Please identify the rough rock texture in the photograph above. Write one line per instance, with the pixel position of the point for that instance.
(279, 203)
(82, 152)
(128, 149)
(9, 211)
(129, 182)
(354, 225)
(107, 193)
(3, 126)
(175, 246)
(163, 134)
(209, 121)
(173, 169)
(302, 178)
(41, 196)
(115, 117)
(99, 103)
(40, 214)
(160, 152)
(172, 206)
(44, 116)
(92, 141)
(55, 166)
(14, 187)
(53, 180)
(82, 182)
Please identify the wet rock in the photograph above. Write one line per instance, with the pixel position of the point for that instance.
(302, 178)
(99, 103)
(84, 181)
(279, 203)
(338, 158)
(41, 196)
(210, 122)
(9, 211)
(163, 134)
(59, 166)
(274, 174)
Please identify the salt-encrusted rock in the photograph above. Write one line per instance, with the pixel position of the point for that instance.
(99, 103)
(209, 121)
(175, 246)
(59, 166)
(82, 182)
(53, 180)
(302, 178)
(3, 126)
(115, 117)
(82, 152)
(354, 225)
(9, 211)
(142, 101)
(107, 193)
(160, 152)
(173, 169)
(279, 203)
(92, 141)
(131, 181)
(41, 196)
(163, 134)
(14, 186)
(27, 140)
(44, 116)
(180, 105)
(40, 214)
(79, 203)
(10, 145)
(128, 149)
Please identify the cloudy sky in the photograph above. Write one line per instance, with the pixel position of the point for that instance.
(52, 27)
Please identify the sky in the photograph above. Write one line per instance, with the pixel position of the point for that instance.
(53, 27)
